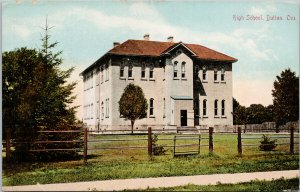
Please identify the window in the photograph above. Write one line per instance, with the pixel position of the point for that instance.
(215, 75)
(130, 71)
(204, 107)
(102, 110)
(204, 73)
(183, 70)
(216, 107)
(175, 69)
(151, 71)
(122, 70)
(223, 107)
(222, 74)
(151, 107)
(143, 74)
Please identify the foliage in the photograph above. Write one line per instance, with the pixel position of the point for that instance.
(254, 114)
(239, 113)
(257, 114)
(157, 149)
(286, 97)
(266, 144)
(36, 98)
(133, 104)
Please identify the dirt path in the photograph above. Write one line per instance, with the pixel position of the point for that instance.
(143, 183)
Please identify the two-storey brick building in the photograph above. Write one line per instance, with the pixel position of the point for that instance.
(185, 85)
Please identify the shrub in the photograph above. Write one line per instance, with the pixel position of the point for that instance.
(157, 149)
(266, 144)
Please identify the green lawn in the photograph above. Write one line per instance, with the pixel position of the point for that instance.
(134, 163)
(270, 186)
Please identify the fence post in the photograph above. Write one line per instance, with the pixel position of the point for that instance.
(85, 145)
(150, 143)
(240, 150)
(8, 137)
(292, 140)
(211, 142)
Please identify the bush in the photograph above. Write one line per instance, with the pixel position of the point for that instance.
(266, 144)
(157, 149)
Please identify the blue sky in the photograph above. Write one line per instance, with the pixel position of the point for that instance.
(86, 30)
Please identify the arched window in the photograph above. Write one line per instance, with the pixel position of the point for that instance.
(122, 69)
(151, 107)
(130, 67)
(183, 69)
(151, 71)
(204, 73)
(175, 70)
(143, 74)
(222, 74)
(204, 107)
(215, 74)
(223, 107)
(216, 107)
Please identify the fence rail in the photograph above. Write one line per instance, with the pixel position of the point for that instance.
(148, 142)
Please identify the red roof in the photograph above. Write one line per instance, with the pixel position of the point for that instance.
(156, 48)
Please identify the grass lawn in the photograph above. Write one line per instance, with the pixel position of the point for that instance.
(134, 163)
(271, 186)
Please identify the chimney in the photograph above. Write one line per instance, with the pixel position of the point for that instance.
(170, 39)
(146, 37)
(116, 44)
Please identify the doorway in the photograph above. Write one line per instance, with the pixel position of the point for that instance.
(183, 117)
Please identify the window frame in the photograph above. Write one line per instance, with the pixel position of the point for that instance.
(122, 71)
(204, 109)
(151, 107)
(216, 107)
(151, 71)
(215, 75)
(223, 107)
(130, 71)
(222, 75)
(143, 71)
(183, 70)
(204, 73)
(175, 70)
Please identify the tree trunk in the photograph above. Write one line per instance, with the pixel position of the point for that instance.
(132, 123)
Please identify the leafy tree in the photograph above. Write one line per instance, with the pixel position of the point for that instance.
(239, 113)
(257, 114)
(36, 97)
(286, 97)
(133, 104)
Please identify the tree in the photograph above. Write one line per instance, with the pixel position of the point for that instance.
(239, 113)
(133, 104)
(256, 114)
(286, 97)
(36, 97)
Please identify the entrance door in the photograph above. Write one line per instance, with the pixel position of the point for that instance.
(183, 117)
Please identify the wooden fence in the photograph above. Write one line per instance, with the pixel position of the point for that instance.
(195, 136)
(291, 138)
